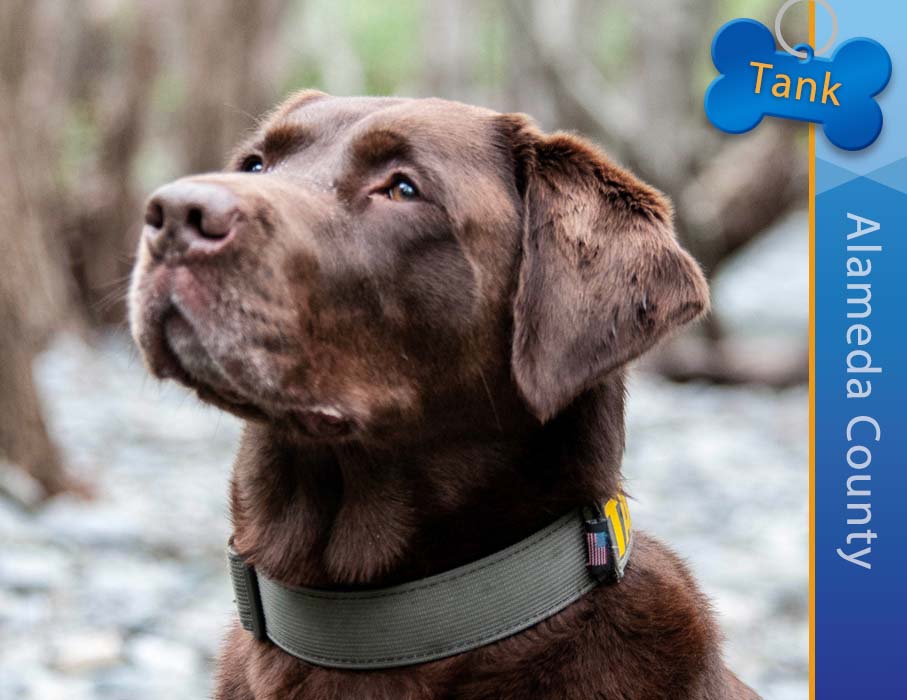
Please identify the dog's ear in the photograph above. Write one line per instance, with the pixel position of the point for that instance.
(602, 276)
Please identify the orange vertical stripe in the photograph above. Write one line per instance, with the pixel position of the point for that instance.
(812, 383)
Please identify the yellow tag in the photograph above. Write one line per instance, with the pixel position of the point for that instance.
(617, 527)
(617, 511)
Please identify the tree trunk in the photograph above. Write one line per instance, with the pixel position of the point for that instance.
(33, 278)
(103, 207)
(32, 293)
(230, 82)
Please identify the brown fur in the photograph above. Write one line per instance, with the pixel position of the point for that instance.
(470, 346)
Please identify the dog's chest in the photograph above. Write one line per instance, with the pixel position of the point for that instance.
(554, 655)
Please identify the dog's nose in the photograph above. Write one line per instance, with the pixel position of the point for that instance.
(190, 216)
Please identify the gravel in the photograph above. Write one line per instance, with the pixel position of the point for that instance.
(126, 595)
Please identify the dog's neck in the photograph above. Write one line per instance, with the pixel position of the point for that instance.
(355, 515)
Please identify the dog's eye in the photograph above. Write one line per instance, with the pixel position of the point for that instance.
(252, 164)
(402, 190)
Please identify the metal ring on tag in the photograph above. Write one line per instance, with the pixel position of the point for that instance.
(802, 54)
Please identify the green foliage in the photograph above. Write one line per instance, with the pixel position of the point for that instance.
(386, 37)
(490, 63)
(79, 139)
(615, 41)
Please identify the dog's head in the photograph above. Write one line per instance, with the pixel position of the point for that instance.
(365, 263)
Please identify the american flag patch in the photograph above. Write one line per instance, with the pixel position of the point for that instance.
(597, 547)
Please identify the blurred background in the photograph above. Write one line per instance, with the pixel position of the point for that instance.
(113, 488)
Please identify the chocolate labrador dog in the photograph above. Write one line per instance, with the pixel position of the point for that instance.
(424, 311)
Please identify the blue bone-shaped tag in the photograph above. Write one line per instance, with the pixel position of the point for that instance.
(757, 80)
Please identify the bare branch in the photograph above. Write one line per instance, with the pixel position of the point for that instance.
(574, 76)
(751, 183)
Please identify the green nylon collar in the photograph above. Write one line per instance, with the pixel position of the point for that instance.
(442, 615)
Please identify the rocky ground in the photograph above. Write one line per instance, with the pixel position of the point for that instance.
(126, 596)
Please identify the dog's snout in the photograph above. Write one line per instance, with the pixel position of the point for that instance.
(189, 216)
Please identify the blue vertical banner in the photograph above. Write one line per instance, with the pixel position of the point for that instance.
(860, 383)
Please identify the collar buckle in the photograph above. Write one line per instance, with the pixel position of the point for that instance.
(248, 595)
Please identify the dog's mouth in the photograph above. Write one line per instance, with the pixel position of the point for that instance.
(176, 351)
